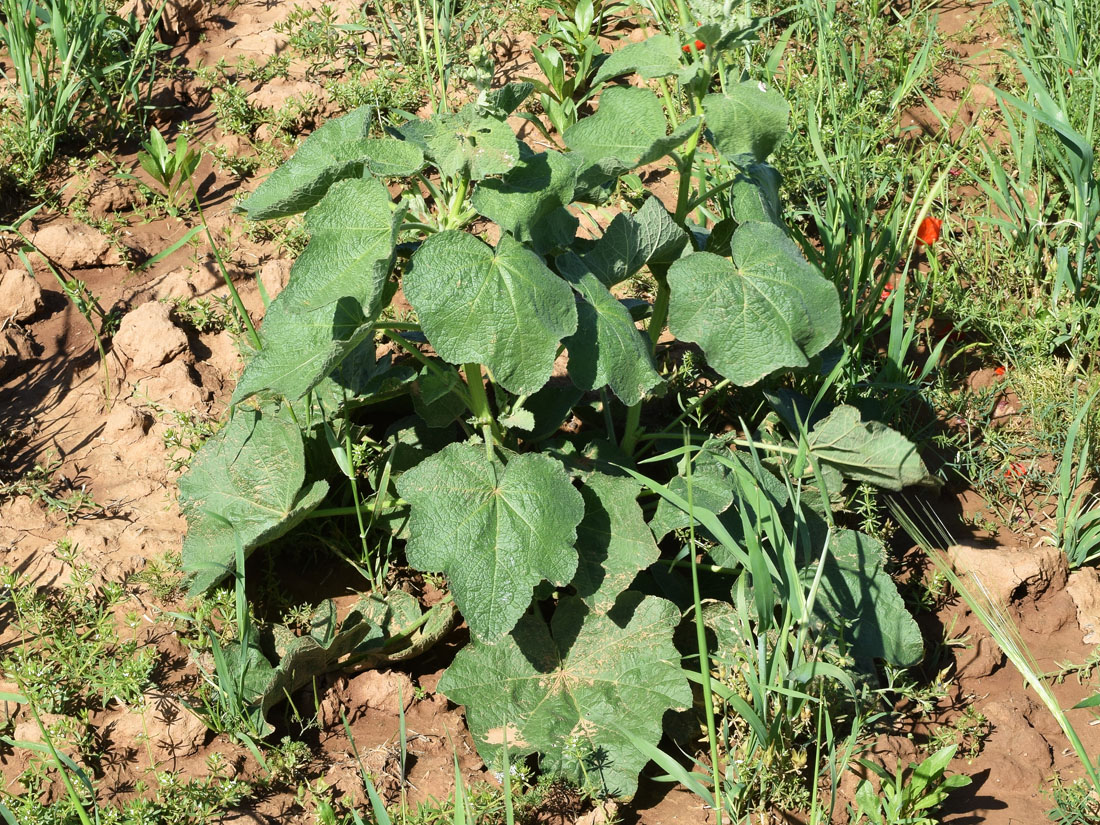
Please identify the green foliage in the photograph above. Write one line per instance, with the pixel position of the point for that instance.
(911, 795)
(169, 169)
(75, 64)
(541, 530)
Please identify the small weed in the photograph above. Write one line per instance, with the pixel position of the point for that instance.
(71, 656)
(44, 486)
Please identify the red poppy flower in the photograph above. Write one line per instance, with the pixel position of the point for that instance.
(1015, 470)
(999, 371)
(1070, 72)
(929, 230)
(699, 46)
(887, 291)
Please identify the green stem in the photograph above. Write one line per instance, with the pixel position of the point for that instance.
(238, 304)
(479, 406)
(351, 509)
(701, 643)
(453, 220)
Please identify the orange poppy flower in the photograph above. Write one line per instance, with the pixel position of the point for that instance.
(699, 46)
(999, 371)
(929, 230)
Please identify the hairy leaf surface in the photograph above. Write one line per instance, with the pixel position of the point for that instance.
(502, 308)
(613, 541)
(334, 292)
(766, 309)
(747, 122)
(859, 596)
(528, 201)
(627, 131)
(245, 484)
(496, 531)
(656, 56)
(607, 349)
(571, 690)
(339, 149)
(868, 450)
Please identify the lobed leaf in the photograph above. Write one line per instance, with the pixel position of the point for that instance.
(576, 691)
(628, 130)
(858, 596)
(607, 348)
(656, 56)
(495, 530)
(613, 541)
(528, 201)
(339, 149)
(502, 308)
(334, 293)
(747, 121)
(766, 309)
(868, 450)
(246, 484)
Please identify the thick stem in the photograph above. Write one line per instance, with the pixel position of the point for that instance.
(453, 219)
(479, 406)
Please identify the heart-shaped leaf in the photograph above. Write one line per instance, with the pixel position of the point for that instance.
(528, 201)
(613, 541)
(495, 530)
(860, 599)
(766, 309)
(627, 131)
(656, 56)
(748, 121)
(868, 450)
(246, 485)
(607, 348)
(576, 692)
(503, 308)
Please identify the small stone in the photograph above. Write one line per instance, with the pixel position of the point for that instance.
(75, 246)
(20, 296)
(148, 336)
(1009, 573)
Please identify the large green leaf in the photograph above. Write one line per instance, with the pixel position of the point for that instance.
(495, 530)
(339, 149)
(613, 541)
(650, 236)
(575, 691)
(347, 263)
(246, 485)
(503, 308)
(656, 56)
(747, 121)
(627, 131)
(528, 201)
(858, 596)
(607, 349)
(766, 309)
(868, 450)
(465, 142)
